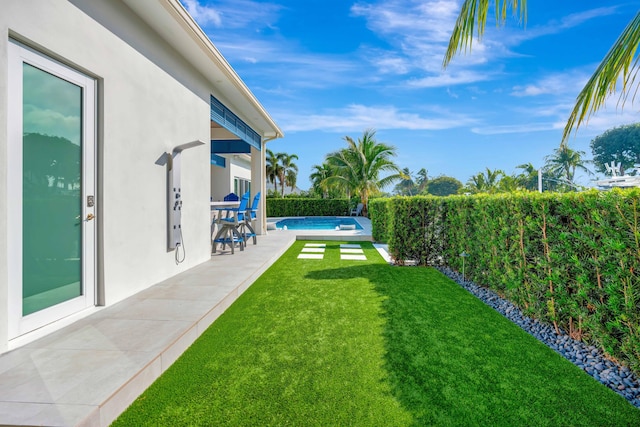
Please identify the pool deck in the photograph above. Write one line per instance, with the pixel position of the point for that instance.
(87, 373)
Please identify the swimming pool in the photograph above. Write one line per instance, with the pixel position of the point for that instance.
(319, 223)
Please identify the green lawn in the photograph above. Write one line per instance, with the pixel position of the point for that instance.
(361, 343)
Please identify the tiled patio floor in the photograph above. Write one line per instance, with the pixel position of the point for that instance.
(87, 373)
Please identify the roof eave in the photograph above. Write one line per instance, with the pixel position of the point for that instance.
(194, 45)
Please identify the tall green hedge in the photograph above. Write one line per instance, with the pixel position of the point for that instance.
(569, 259)
(277, 207)
(415, 232)
(379, 215)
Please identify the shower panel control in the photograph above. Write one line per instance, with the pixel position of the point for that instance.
(174, 197)
(177, 217)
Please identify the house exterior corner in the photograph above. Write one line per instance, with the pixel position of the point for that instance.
(100, 96)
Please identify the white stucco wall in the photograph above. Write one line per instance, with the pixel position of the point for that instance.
(221, 183)
(240, 167)
(143, 112)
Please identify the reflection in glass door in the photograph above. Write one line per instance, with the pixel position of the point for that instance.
(51, 198)
(52, 151)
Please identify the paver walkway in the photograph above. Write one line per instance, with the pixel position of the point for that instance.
(87, 373)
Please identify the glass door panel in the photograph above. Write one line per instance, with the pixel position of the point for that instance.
(51, 191)
(52, 180)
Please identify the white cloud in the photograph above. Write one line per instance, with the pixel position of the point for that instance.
(356, 117)
(389, 63)
(284, 53)
(233, 13)
(503, 40)
(426, 19)
(558, 108)
(452, 94)
(419, 31)
(51, 122)
(450, 79)
(564, 88)
(557, 26)
(610, 116)
(284, 64)
(577, 19)
(204, 15)
(569, 82)
(517, 128)
(606, 118)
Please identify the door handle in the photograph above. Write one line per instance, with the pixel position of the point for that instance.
(90, 217)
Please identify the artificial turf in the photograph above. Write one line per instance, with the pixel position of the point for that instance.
(327, 342)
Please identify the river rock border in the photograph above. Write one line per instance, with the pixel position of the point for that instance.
(588, 358)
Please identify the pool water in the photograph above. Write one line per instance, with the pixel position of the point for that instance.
(317, 223)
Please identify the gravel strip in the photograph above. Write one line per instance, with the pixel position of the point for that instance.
(588, 358)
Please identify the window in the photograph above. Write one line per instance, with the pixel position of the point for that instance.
(241, 186)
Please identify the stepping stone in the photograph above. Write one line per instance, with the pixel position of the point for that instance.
(353, 257)
(310, 256)
(315, 245)
(321, 250)
(350, 245)
(351, 251)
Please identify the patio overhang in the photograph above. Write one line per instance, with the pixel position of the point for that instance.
(230, 134)
(245, 136)
(233, 146)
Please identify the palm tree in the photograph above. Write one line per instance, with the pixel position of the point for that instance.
(406, 186)
(273, 167)
(485, 182)
(358, 167)
(528, 178)
(493, 178)
(618, 62)
(509, 184)
(288, 170)
(563, 163)
(318, 178)
(280, 167)
(343, 171)
(291, 179)
(475, 184)
(422, 180)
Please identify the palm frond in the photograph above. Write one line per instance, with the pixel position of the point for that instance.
(619, 61)
(473, 17)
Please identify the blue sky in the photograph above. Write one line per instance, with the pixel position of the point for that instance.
(324, 69)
